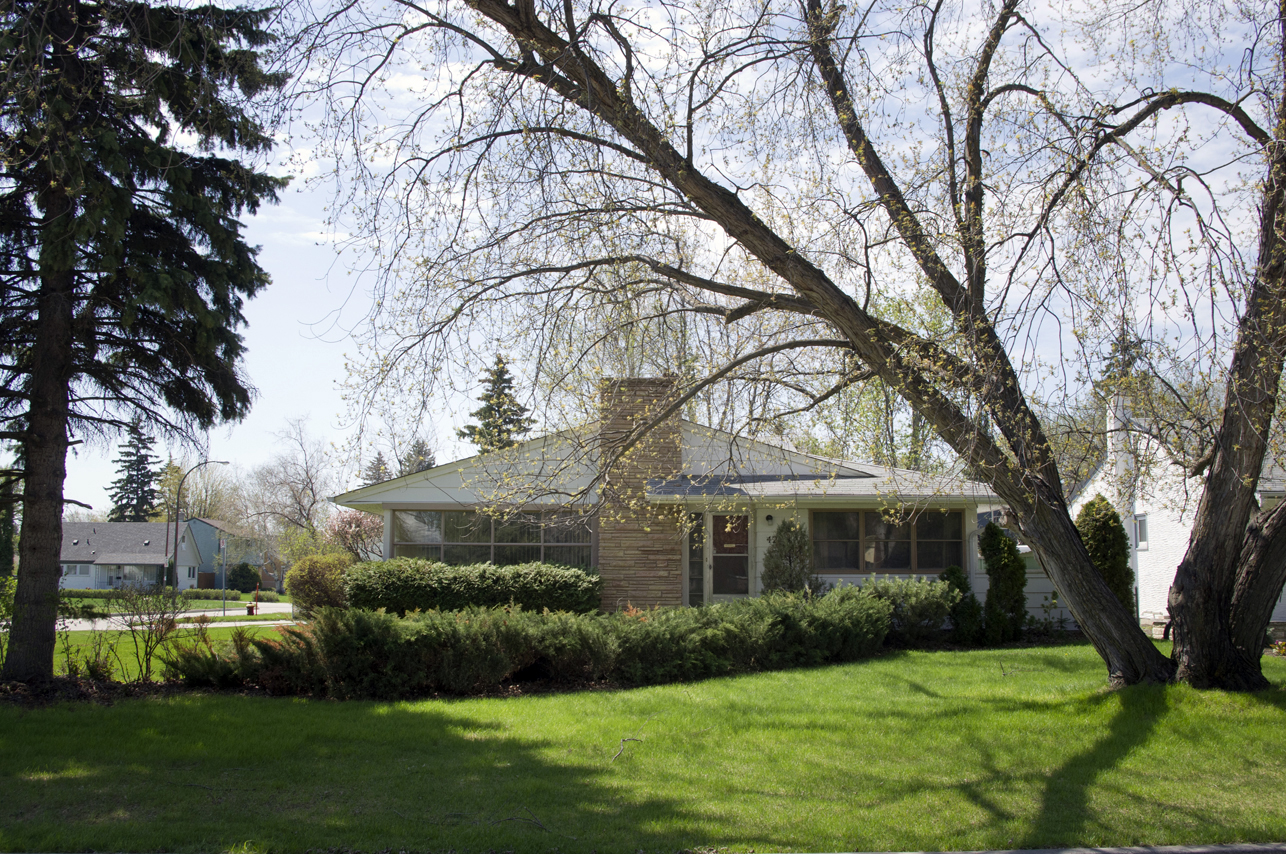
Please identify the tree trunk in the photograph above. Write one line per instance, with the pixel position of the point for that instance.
(1130, 655)
(35, 612)
(1261, 573)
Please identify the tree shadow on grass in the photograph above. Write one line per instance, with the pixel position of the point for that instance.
(1065, 813)
(212, 773)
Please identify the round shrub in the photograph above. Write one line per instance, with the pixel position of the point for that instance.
(317, 581)
(1109, 546)
(243, 577)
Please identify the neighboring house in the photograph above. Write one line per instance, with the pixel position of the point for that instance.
(105, 555)
(1157, 502)
(685, 517)
(202, 562)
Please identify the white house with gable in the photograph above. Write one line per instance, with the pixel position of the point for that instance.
(1157, 501)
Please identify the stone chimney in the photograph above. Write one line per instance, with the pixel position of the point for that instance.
(639, 544)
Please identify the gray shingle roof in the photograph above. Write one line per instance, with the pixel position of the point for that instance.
(875, 482)
(115, 542)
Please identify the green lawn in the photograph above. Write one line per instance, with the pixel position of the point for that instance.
(913, 751)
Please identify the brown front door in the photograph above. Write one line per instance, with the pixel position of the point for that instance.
(730, 555)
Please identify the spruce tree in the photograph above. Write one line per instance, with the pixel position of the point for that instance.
(7, 531)
(135, 493)
(1109, 546)
(124, 267)
(417, 458)
(788, 561)
(502, 420)
(377, 470)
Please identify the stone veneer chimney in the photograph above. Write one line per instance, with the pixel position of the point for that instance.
(639, 544)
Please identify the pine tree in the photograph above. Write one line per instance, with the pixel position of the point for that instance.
(134, 494)
(417, 458)
(502, 420)
(7, 507)
(1109, 547)
(377, 470)
(124, 267)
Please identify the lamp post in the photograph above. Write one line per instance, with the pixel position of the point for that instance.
(178, 503)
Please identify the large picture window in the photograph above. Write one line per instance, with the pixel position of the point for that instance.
(464, 537)
(847, 541)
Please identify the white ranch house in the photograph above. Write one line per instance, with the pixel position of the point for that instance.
(686, 517)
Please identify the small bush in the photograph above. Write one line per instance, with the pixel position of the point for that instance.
(1005, 610)
(920, 607)
(243, 577)
(788, 562)
(966, 615)
(1109, 546)
(408, 584)
(317, 581)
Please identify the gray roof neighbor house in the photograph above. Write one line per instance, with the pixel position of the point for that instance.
(115, 542)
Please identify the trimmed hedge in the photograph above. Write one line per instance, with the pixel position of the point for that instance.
(402, 585)
(356, 654)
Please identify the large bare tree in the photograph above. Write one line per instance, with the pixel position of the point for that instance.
(797, 166)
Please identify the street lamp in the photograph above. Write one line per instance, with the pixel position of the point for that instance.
(178, 503)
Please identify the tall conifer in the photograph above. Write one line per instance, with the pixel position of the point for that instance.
(123, 266)
(502, 420)
(135, 493)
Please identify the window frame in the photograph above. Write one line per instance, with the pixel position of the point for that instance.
(1141, 539)
(865, 541)
(490, 543)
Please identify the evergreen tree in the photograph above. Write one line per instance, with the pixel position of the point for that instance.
(966, 615)
(502, 420)
(377, 470)
(134, 494)
(788, 561)
(417, 458)
(1109, 547)
(7, 530)
(124, 267)
(1005, 609)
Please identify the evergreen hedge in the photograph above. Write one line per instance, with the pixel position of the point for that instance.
(358, 654)
(412, 584)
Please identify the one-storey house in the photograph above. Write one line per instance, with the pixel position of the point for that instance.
(105, 555)
(684, 516)
(1157, 502)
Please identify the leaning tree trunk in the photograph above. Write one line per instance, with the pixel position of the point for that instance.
(1130, 655)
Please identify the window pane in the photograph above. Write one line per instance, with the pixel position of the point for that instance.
(888, 556)
(731, 534)
(426, 552)
(417, 526)
(460, 526)
(462, 555)
(930, 555)
(836, 526)
(935, 525)
(577, 556)
(878, 529)
(836, 556)
(522, 528)
(730, 574)
(510, 555)
(566, 528)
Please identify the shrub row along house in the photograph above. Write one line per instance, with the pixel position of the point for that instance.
(105, 555)
(685, 515)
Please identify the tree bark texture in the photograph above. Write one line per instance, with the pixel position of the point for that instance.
(33, 634)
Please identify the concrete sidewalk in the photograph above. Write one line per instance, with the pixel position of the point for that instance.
(212, 609)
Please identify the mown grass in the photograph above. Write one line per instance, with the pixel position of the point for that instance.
(911, 751)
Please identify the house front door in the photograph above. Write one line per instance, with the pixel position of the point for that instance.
(729, 576)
